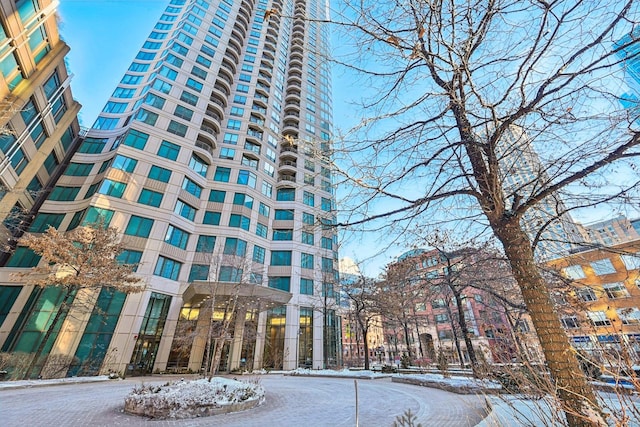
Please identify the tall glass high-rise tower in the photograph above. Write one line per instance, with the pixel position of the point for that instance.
(629, 52)
(212, 157)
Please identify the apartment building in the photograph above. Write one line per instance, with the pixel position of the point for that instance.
(212, 158)
(600, 308)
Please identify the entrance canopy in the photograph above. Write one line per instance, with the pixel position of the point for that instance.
(262, 296)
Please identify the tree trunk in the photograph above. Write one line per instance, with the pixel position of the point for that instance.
(576, 395)
(419, 340)
(325, 357)
(456, 339)
(208, 309)
(60, 314)
(405, 327)
(229, 310)
(464, 329)
(364, 328)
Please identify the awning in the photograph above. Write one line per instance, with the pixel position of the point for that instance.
(199, 291)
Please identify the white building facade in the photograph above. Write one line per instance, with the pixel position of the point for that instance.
(212, 157)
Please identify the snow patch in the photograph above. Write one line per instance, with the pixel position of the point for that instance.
(186, 399)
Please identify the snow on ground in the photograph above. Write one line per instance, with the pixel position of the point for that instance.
(453, 381)
(347, 373)
(201, 392)
(508, 410)
(511, 410)
(55, 381)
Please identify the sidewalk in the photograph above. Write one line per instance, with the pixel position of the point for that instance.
(12, 385)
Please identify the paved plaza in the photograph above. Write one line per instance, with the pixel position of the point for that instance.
(290, 401)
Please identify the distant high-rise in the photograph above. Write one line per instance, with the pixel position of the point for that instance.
(212, 157)
(629, 53)
(610, 232)
(523, 174)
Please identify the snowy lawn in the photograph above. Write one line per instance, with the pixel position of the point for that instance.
(454, 384)
(345, 373)
(196, 398)
(465, 385)
(456, 381)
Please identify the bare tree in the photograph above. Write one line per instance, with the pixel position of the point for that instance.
(398, 293)
(78, 261)
(363, 303)
(461, 94)
(226, 276)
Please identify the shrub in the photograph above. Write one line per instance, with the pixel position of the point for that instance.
(405, 361)
(408, 419)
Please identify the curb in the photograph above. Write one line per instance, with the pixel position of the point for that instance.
(353, 377)
(16, 385)
(446, 387)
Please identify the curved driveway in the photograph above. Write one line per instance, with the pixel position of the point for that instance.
(290, 401)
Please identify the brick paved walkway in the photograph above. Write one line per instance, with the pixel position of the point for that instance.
(290, 401)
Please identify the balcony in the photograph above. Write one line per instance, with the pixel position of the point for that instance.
(229, 66)
(267, 63)
(293, 82)
(232, 55)
(205, 144)
(272, 32)
(295, 75)
(289, 148)
(222, 86)
(296, 63)
(247, 7)
(259, 109)
(255, 134)
(242, 20)
(256, 120)
(292, 96)
(213, 124)
(214, 115)
(263, 76)
(216, 105)
(292, 123)
(224, 75)
(206, 140)
(286, 178)
(261, 97)
(268, 56)
(209, 130)
(290, 165)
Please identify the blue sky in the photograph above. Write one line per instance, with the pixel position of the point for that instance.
(104, 36)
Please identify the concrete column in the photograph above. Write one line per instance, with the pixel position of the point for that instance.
(318, 340)
(258, 357)
(291, 336)
(200, 340)
(235, 347)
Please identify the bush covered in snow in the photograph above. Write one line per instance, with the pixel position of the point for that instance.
(188, 399)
